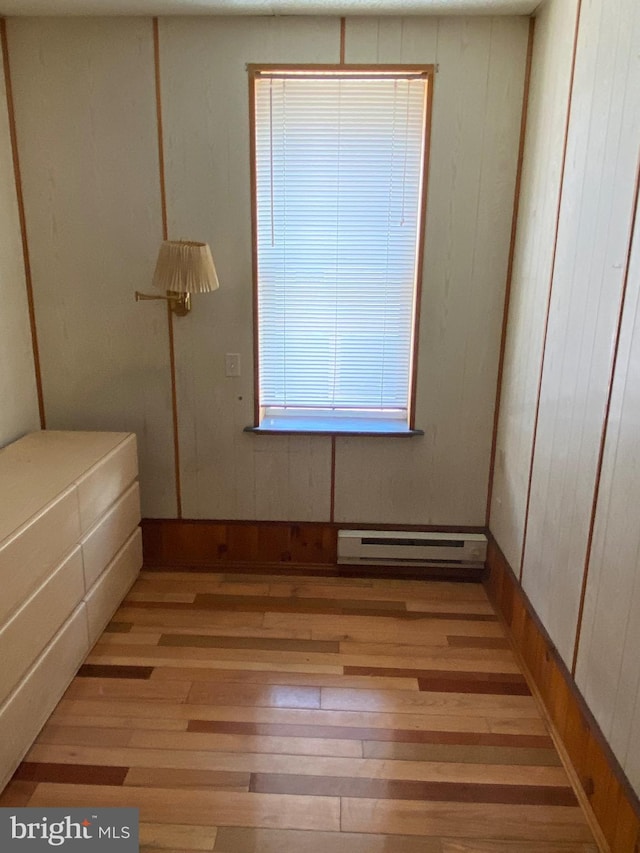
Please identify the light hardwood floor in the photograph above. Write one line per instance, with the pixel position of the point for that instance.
(275, 714)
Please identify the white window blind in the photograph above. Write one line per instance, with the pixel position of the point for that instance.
(338, 197)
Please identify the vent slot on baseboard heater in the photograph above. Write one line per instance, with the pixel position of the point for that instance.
(402, 548)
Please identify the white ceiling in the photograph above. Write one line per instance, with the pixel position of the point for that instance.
(267, 7)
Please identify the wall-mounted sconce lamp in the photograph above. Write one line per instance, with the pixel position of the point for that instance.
(183, 267)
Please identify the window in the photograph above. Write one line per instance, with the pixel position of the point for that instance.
(338, 160)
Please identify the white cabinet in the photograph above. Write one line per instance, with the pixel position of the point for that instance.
(70, 549)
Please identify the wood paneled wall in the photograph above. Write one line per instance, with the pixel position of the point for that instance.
(87, 135)
(567, 462)
(441, 478)
(603, 783)
(533, 259)
(18, 393)
(86, 125)
(608, 659)
(592, 244)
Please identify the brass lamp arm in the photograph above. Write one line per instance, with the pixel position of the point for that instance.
(140, 296)
(180, 303)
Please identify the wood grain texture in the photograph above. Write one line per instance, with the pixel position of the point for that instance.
(201, 807)
(530, 823)
(264, 477)
(19, 353)
(233, 840)
(474, 140)
(369, 755)
(271, 783)
(170, 836)
(603, 783)
(190, 542)
(588, 286)
(608, 669)
(84, 93)
(532, 265)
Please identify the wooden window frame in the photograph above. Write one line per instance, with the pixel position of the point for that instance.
(428, 72)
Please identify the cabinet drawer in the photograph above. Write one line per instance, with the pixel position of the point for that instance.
(27, 710)
(112, 586)
(103, 484)
(29, 556)
(103, 542)
(32, 627)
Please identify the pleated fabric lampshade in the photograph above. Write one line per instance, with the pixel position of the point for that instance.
(185, 266)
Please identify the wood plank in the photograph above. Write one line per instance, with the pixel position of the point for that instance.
(164, 836)
(399, 701)
(446, 658)
(406, 736)
(131, 638)
(440, 617)
(348, 647)
(270, 696)
(532, 823)
(372, 589)
(316, 679)
(169, 597)
(17, 794)
(220, 780)
(169, 616)
(199, 808)
(473, 754)
(104, 657)
(75, 774)
(417, 768)
(60, 717)
(456, 845)
(205, 641)
(220, 630)
(429, 722)
(84, 736)
(402, 789)
(148, 849)
(474, 685)
(478, 642)
(242, 840)
(127, 688)
(426, 674)
(89, 670)
(213, 742)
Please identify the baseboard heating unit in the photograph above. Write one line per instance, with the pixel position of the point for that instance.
(409, 548)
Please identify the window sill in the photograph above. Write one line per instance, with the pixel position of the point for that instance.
(333, 426)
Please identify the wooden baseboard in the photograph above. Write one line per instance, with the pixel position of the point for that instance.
(606, 788)
(210, 543)
(274, 547)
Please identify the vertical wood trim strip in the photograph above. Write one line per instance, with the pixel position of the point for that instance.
(550, 291)
(22, 220)
(332, 505)
(174, 411)
(413, 391)
(343, 40)
(512, 248)
(605, 424)
(254, 247)
(163, 188)
(165, 233)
